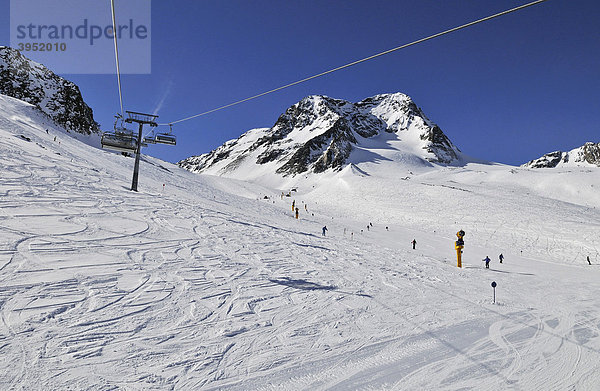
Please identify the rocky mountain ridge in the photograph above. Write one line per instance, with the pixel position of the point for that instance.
(320, 133)
(55, 96)
(588, 155)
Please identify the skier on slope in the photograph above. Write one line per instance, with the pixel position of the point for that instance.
(414, 243)
(324, 230)
(487, 262)
(501, 257)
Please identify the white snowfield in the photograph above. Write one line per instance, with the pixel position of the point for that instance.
(204, 284)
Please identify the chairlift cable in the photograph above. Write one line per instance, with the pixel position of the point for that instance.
(114, 24)
(361, 60)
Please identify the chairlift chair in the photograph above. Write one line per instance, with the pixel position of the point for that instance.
(118, 142)
(164, 137)
(149, 140)
(160, 138)
(121, 139)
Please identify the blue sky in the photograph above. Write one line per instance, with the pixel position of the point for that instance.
(508, 90)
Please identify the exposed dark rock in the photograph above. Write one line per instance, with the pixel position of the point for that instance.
(328, 150)
(440, 146)
(589, 153)
(319, 133)
(33, 83)
(549, 160)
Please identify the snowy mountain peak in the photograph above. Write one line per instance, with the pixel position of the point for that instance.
(320, 133)
(586, 155)
(33, 83)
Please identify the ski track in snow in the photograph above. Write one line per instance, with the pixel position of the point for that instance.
(197, 288)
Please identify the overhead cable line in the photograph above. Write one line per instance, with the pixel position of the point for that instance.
(360, 61)
(114, 24)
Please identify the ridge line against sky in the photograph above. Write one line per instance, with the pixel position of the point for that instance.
(509, 90)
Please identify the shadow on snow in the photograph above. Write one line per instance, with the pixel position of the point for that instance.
(311, 286)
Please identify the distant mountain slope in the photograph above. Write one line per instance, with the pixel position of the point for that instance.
(33, 83)
(320, 133)
(586, 155)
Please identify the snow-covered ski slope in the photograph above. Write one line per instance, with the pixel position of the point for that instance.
(206, 285)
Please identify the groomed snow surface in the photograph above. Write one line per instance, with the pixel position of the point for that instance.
(204, 284)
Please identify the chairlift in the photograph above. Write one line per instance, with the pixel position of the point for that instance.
(119, 142)
(162, 137)
(121, 139)
(149, 140)
(165, 138)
